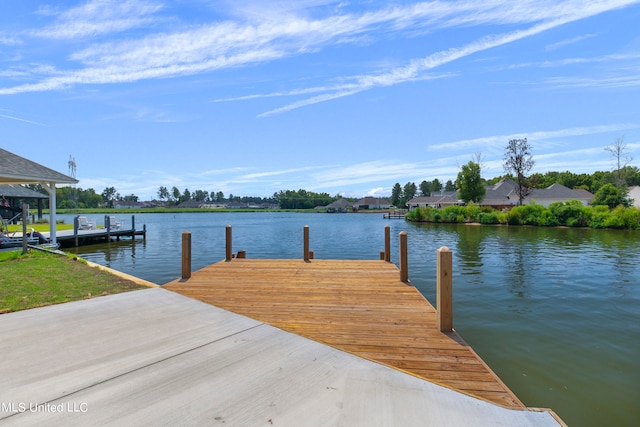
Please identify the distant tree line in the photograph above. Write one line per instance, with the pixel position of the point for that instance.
(302, 199)
(609, 187)
(176, 196)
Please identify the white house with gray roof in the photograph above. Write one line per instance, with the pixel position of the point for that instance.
(634, 195)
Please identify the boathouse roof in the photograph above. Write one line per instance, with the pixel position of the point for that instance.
(18, 170)
(13, 191)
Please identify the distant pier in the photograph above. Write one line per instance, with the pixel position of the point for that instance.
(397, 214)
(87, 232)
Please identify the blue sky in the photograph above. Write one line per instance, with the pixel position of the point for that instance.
(345, 97)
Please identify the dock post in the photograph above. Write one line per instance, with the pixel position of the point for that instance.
(444, 291)
(75, 231)
(404, 262)
(144, 232)
(186, 255)
(387, 243)
(25, 216)
(229, 254)
(306, 243)
(133, 225)
(382, 257)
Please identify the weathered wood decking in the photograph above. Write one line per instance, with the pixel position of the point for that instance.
(361, 307)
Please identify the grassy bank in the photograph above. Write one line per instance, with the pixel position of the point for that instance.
(38, 279)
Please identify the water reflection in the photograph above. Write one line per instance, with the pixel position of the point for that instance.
(470, 250)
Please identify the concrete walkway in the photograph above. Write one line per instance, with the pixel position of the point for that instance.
(153, 357)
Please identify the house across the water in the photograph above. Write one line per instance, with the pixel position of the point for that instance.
(503, 195)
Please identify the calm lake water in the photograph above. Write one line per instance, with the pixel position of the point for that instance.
(554, 312)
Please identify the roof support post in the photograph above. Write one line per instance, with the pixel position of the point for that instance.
(51, 189)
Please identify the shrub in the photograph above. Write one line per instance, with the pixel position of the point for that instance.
(547, 219)
(599, 217)
(624, 218)
(453, 214)
(514, 216)
(488, 218)
(473, 212)
(571, 213)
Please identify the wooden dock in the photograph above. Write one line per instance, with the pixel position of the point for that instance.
(397, 214)
(361, 307)
(77, 236)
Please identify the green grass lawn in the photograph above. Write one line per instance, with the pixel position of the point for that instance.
(39, 227)
(38, 279)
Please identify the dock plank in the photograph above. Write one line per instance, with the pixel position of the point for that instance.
(360, 307)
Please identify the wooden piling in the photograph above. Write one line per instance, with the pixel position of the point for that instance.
(242, 254)
(25, 216)
(387, 243)
(404, 262)
(444, 291)
(306, 243)
(186, 255)
(229, 253)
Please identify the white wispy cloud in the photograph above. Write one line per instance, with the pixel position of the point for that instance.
(500, 140)
(4, 116)
(563, 43)
(623, 78)
(413, 70)
(256, 176)
(98, 17)
(617, 59)
(382, 171)
(222, 45)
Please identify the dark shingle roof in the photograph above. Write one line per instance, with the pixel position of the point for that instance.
(340, 203)
(16, 169)
(20, 192)
(556, 191)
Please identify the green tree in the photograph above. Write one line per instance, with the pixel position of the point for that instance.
(425, 188)
(612, 196)
(396, 194)
(89, 199)
(219, 196)
(436, 185)
(449, 186)
(163, 193)
(186, 196)
(175, 192)
(408, 192)
(200, 195)
(519, 161)
(109, 195)
(469, 183)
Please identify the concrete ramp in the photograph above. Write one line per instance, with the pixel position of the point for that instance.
(154, 357)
